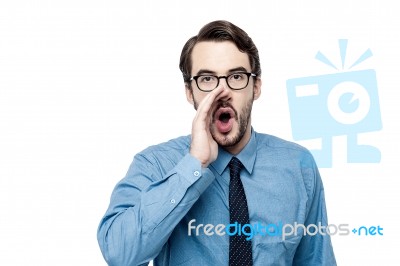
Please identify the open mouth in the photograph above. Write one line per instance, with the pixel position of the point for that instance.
(224, 118)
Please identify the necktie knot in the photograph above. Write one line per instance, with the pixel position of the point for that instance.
(235, 166)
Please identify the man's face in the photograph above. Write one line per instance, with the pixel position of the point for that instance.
(229, 116)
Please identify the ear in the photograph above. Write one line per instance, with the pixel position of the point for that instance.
(189, 94)
(257, 88)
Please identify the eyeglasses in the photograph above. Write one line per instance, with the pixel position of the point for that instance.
(235, 81)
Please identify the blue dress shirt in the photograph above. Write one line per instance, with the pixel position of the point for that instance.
(166, 190)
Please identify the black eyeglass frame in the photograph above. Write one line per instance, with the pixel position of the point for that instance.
(248, 74)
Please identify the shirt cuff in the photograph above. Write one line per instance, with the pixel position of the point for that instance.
(190, 169)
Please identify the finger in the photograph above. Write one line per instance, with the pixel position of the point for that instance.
(206, 103)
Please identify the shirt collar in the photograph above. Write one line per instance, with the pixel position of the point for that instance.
(247, 156)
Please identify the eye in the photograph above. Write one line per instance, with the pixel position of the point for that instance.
(236, 76)
(206, 79)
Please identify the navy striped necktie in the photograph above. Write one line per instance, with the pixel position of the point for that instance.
(240, 253)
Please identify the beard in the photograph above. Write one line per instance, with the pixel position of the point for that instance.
(242, 119)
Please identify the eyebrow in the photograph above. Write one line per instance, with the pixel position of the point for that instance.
(207, 71)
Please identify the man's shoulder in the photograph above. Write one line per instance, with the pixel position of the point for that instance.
(281, 148)
(270, 141)
(176, 146)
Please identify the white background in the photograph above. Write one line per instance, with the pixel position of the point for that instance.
(84, 85)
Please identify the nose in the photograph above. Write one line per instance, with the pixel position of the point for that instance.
(226, 93)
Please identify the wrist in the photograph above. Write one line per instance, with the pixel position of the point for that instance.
(204, 163)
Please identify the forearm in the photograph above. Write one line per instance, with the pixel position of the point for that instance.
(141, 217)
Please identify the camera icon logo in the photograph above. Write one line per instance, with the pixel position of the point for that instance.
(344, 103)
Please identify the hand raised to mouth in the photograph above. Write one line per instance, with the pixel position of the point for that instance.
(203, 146)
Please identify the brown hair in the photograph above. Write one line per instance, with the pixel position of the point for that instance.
(220, 30)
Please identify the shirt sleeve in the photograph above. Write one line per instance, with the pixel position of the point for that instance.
(315, 249)
(146, 206)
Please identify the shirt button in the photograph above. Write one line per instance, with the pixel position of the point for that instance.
(196, 173)
(173, 201)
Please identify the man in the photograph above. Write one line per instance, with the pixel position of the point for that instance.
(225, 194)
